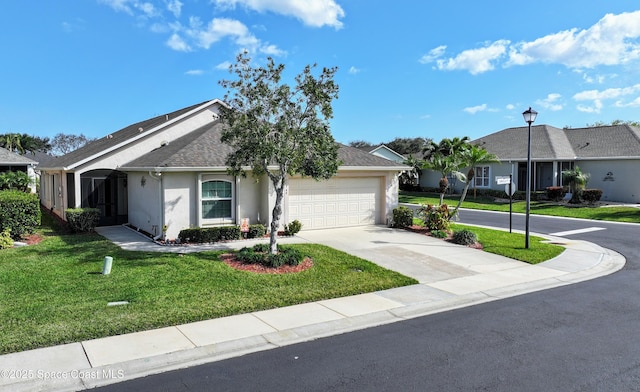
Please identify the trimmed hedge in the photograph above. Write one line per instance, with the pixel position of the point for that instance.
(591, 196)
(555, 193)
(256, 231)
(210, 234)
(82, 220)
(19, 212)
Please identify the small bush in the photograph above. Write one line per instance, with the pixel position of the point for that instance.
(464, 237)
(591, 196)
(402, 217)
(5, 239)
(555, 193)
(249, 256)
(439, 233)
(256, 231)
(209, 234)
(435, 217)
(83, 220)
(261, 247)
(19, 212)
(292, 228)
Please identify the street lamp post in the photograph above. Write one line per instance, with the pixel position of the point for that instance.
(529, 117)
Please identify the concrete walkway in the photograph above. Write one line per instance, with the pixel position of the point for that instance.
(450, 276)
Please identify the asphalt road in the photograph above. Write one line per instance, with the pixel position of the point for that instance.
(581, 337)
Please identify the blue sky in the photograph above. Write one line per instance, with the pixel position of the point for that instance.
(406, 68)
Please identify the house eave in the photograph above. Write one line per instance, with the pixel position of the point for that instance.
(374, 168)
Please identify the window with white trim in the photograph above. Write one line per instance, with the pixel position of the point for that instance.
(216, 200)
(482, 177)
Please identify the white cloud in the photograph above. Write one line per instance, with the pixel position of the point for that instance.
(272, 50)
(223, 66)
(510, 106)
(613, 40)
(433, 54)
(476, 109)
(177, 43)
(175, 7)
(316, 13)
(632, 104)
(194, 72)
(551, 102)
(425, 117)
(353, 70)
(597, 97)
(474, 60)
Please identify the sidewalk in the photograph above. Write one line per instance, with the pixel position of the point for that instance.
(450, 277)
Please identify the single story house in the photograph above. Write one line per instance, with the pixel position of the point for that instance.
(10, 161)
(169, 171)
(610, 154)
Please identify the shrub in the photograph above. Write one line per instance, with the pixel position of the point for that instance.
(555, 193)
(435, 217)
(261, 247)
(19, 212)
(259, 255)
(464, 237)
(402, 217)
(256, 231)
(439, 233)
(591, 196)
(5, 239)
(292, 228)
(82, 220)
(209, 234)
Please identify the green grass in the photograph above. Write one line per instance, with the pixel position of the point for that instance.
(616, 214)
(53, 293)
(512, 244)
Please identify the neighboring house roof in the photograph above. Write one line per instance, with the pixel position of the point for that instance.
(202, 149)
(105, 144)
(42, 158)
(11, 158)
(551, 143)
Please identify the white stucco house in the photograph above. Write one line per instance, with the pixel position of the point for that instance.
(610, 154)
(10, 161)
(170, 171)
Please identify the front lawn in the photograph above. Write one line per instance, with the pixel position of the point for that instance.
(53, 292)
(616, 214)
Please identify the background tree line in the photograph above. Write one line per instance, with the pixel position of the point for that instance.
(22, 143)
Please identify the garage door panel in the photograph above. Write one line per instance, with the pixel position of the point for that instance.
(334, 203)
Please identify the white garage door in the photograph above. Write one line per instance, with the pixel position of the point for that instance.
(337, 202)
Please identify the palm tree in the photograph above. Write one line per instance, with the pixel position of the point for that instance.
(410, 177)
(472, 156)
(577, 181)
(445, 165)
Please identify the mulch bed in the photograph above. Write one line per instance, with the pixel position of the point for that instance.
(32, 239)
(230, 260)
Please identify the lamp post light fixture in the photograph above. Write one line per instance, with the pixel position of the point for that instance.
(529, 117)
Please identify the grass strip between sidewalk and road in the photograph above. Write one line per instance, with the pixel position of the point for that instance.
(614, 213)
(511, 245)
(54, 292)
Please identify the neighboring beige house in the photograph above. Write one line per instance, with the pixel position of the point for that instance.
(10, 161)
(610, 154)
(170, 170)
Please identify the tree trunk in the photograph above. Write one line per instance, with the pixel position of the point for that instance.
(278, 184)
(470, 176)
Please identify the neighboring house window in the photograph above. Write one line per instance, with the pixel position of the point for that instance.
(482, 178)
(216, 199)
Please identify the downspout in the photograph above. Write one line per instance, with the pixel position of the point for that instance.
(237, 199)
(157, 175)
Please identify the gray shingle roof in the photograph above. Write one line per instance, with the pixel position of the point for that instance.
(11, 158)
(550, 143)
(104, 143)
(203, 148)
